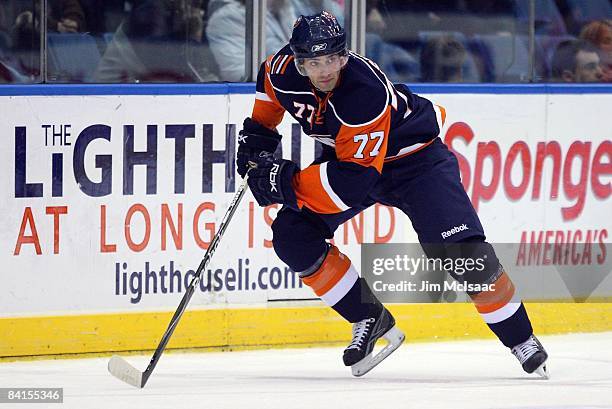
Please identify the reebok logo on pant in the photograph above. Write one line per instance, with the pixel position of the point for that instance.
(456, 229)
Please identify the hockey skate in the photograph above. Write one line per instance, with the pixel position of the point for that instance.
(359, 354)
(532, 356)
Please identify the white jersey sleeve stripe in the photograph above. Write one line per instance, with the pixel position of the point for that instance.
(262, 96)
(438, 116)
(406, 150)
(402, 96)
(328, 189)
(391, 93)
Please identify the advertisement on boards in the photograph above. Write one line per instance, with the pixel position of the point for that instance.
(109, 202)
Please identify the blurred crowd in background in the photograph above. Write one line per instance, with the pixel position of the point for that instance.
(188, 41)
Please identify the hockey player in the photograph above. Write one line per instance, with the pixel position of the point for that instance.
(380, 144)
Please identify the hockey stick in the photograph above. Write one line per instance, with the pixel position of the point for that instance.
(122, 369)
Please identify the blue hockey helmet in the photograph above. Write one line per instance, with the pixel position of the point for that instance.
(317, 35)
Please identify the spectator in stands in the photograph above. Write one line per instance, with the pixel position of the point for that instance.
(104, 16)
(25, 44)
(468, 16)
(226, 33)
(576, 61)
(599, 33)
(396, 62)
(63, 16)
(8, 73)
(160, 41)
(5, 38)
(442, 60)
(578, 13)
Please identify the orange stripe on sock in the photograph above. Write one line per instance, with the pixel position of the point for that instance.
(331, 271)
(489, 301)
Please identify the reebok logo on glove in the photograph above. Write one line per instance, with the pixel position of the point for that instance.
(273, 173)
(271, 181)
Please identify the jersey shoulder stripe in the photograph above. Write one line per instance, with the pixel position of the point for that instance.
(283, 76)
(279, 64)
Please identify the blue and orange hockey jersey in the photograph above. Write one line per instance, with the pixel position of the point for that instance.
(366, 120)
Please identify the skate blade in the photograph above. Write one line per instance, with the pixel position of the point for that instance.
(395, 337)
(543, 371)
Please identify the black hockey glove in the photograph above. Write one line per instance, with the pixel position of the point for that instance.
(271, 183)
(256, 144)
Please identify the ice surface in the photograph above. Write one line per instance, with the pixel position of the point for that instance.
(471, 374)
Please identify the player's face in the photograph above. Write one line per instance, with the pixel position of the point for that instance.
(324, 71)
(588, 68)
(606, 41)
(606, 55)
